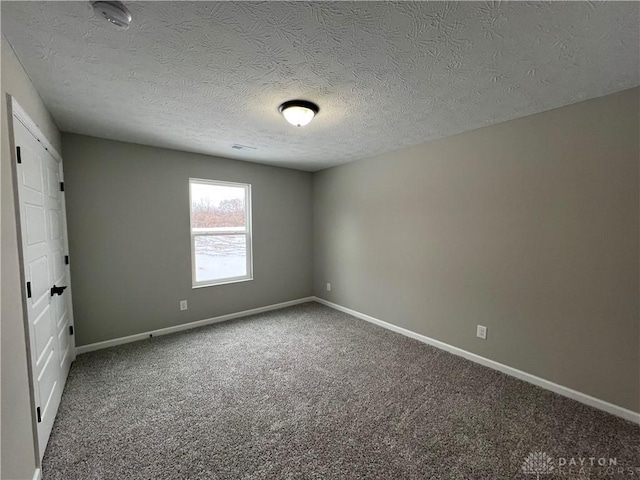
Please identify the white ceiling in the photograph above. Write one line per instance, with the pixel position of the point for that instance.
(201, 76)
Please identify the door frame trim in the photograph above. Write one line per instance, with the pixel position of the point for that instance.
(21, 114)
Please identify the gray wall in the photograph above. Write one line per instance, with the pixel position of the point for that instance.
(529, 227)
(18, 449)
(128, 221)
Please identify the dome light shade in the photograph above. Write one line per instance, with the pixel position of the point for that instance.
(298, 112)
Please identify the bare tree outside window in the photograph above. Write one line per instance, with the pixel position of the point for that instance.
(227, 213)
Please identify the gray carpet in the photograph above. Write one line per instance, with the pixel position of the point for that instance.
(309, 392)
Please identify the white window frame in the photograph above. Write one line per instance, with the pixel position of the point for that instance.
(246, 232)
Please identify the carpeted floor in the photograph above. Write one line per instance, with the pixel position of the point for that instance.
(311, 393)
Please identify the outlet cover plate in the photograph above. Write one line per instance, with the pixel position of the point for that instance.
(481, 332)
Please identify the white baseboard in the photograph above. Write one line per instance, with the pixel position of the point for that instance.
(37, 475)
(187, 326)
(514, 372)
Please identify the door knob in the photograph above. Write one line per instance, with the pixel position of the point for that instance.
(57, 290)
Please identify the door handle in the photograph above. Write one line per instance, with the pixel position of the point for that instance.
(57, 290)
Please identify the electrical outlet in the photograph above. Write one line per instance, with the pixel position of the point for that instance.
(481, 332)
(183, 305)
(328, 287)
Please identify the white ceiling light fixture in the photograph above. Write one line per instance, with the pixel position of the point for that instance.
(298, 112)
(113, 12)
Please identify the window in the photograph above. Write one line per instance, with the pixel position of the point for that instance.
(220, 232)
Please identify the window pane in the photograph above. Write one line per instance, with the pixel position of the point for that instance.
(220, 256)
(217, 207)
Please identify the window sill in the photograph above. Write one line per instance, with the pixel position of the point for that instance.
(222, 282)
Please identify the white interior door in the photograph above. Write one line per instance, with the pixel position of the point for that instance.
(44, 246)
(60, 304)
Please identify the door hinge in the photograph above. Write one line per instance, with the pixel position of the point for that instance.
(28, 289)
(39, 415)
(18, 155)
(70, 329)
(66, 259)
(62, 186)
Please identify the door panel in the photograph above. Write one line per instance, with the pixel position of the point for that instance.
(44, 246)
(56, 231)
(32, 171)
(42, 333)
(64, 344)
(48, 379)
(58, 266)
(40, 280)
(53, 181)
(36, 227)
(60, 315)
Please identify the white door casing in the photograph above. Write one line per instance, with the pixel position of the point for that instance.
(44, 246)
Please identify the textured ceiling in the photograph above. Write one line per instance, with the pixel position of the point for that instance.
(202, 76)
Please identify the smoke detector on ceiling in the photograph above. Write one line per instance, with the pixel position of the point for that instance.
(113, 12)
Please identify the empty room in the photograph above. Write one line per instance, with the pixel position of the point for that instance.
(320, 240)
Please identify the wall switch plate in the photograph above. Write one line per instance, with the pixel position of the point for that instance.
(481, 332)
(183, 305)
(328, 287)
